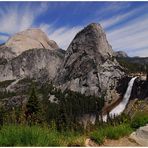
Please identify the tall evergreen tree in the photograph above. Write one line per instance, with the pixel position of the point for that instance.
(147, 73)
(33, 107)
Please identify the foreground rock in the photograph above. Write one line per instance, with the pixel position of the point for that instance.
(141, 136)
(89, 66)
(90, 143)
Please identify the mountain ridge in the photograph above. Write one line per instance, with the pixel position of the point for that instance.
(29, 39)
(88, 65)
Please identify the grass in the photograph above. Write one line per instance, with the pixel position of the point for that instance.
(21, 135)
(140, 119)
(27, 136)
(72, 139)
(111, 132)
(118, 131)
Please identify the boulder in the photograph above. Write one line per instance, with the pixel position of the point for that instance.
(141, 136)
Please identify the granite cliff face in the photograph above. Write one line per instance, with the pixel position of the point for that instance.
(6, 54)
(89, 66)
(34, 63)
(30, 39)
(29, 54)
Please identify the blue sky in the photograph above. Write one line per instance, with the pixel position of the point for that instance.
(125, 23)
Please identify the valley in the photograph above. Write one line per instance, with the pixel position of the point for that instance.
(86, 91)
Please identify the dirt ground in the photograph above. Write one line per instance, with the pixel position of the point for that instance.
(125, 141)
(113, 143)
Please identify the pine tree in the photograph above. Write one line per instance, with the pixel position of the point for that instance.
(147, 73)
(33, 107)
(1, 116)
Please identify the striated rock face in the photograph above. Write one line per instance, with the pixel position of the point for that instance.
(30, 39)
(29, 54)
(120, 54)
(34, 63)
(6, 54)
(89, 66)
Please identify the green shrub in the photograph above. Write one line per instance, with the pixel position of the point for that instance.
(98, 136)
(72, 138)
(22, 135)
(140, 119)
(118, 131)
(28, 136)
(111, 132)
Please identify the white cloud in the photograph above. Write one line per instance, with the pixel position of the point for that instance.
(47, 28)
(142, 52)
(116, 6)
(130, 36)
(114, 20)
(14, 19)
(63, 36)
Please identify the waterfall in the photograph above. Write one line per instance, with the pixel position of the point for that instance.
(120, 108)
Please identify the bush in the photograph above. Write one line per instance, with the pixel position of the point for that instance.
(140, 119)
(23, 135)
(28, 136)
(118, 131)
(98, 136)
(72, 138)
(111, 132)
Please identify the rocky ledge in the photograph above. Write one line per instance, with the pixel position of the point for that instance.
(141, 136)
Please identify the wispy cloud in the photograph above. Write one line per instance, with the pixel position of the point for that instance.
(63, 35)
(14, 19)
(131, 36)
(126, 30)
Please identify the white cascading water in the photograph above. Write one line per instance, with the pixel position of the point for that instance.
(120, 108)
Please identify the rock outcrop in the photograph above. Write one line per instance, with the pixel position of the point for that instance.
(141, 136)
(30, 39)
(89, 66)
(6, 54)
(29, 54)
(120, 54)
(34, 63)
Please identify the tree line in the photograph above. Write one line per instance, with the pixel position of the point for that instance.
(63, 111)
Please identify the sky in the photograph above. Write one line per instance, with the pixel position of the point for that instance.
(125, 23)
